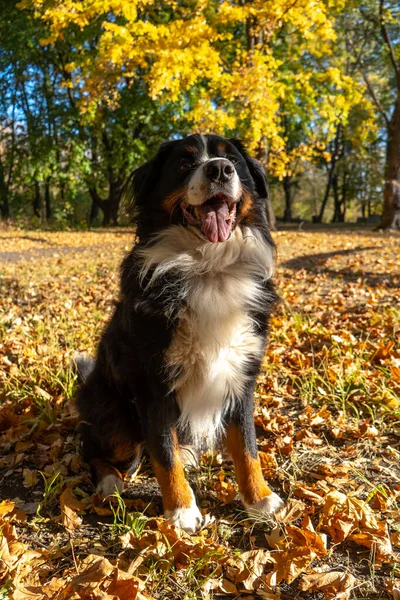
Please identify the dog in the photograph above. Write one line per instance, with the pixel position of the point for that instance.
(178, 361)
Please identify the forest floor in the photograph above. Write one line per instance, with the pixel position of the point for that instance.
(328, 422)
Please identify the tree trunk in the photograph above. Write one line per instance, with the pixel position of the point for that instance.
(331, 172)
(37, 200)
(111, 205)
(270, 214)
(4, 204)
(47, 201)
(94, 212)
(391, 192)
(339, 211)
(363, 207)
(287, 186)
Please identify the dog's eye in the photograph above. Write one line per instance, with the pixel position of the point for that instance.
(184, 165)
(233, 159)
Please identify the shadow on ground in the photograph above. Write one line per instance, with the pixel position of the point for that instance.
(314, 263)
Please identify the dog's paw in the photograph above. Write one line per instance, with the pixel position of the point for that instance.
(188, 519)
(109, 484)
(267, 506)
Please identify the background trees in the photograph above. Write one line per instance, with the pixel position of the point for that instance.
(89, 89)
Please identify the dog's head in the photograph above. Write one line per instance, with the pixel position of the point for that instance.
(204, 182)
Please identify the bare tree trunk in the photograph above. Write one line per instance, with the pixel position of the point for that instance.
(47, 200)
(331, 172)
(391, 192)
(111, 205)
(94, 212)
(287, 186)
(37, 201)
(4, 202)
(339, 210)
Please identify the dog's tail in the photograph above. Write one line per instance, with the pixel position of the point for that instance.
(83, 366)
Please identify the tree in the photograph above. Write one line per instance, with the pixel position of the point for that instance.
(376, 42)
(227, 66)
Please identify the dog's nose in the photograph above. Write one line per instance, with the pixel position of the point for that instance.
(219, 170)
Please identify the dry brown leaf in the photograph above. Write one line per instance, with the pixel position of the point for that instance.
(30, 478)
(284, 444)
(126, 586)
(383, 352)
(311, 493)
(341, 515)
(305, 537)
(289, 564)
(69, 510)
(334, 585)
(366, 430)
(377, 539)
(395, 373)
(269, 465)
(225, 491)
(393, 587)
(6, 507)
(314, 418)
(395, 539)
(226, 587)
(308, 437)
(247, 568)
(95, 571)
(293, 510)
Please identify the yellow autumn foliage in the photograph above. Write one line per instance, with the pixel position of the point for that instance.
(230, 67)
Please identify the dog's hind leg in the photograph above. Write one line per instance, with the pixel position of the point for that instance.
(110, 460)
(110, 431)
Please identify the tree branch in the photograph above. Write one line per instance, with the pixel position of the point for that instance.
(376, 100)
(385, 35)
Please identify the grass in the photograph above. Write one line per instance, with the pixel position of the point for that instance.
(329, 347)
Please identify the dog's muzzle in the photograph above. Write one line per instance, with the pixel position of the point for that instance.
(213, 192)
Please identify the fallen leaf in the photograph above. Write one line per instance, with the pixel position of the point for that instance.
(225, 491)
(69, 510)
(334, 585)
(377, 540)
(30, 478)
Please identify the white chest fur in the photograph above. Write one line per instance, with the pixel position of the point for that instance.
(214, 339)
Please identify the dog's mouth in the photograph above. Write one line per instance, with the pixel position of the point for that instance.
(215, 217)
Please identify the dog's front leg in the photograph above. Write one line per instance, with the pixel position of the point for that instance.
(178, 499)
(257, 497)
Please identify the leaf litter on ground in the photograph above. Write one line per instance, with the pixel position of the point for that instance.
(327, 420)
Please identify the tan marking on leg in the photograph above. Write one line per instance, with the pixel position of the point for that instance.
(252, 485)
(102, 468)
(176, 492)
(108, 479)
(123, 450)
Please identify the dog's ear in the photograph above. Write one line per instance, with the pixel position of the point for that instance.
(141, 180)
(256, 169)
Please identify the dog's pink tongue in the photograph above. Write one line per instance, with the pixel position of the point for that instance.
(215, 220)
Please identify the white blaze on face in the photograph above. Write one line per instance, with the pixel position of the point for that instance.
(199, 185)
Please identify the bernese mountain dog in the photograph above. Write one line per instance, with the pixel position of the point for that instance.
(178, 361)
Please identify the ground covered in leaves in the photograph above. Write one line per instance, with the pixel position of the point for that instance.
(328, 421)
